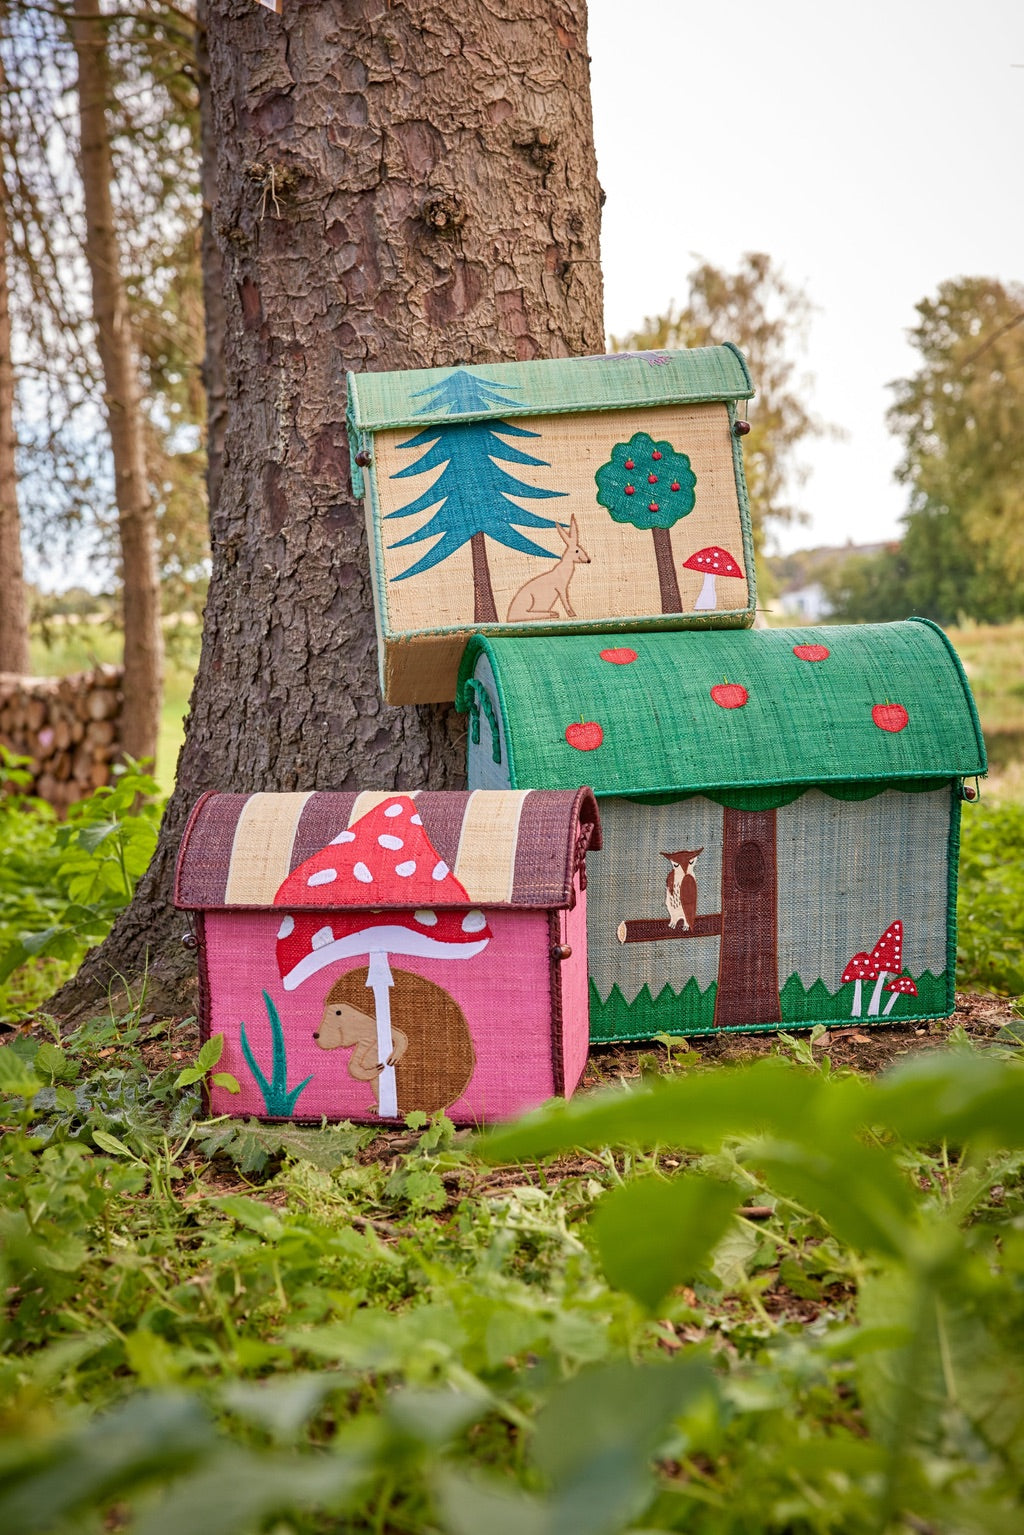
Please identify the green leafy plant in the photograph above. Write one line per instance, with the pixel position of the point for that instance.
(63, 883)
(209, 1054)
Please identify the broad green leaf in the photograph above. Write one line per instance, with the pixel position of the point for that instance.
(110, 1143)
(226, 1080)
(653, 1235)
(700, 1111)
(858, 1190)
(597, 1433)
(435, 1417)
(210, 1053)
(237, 1491)
(15, 1076)
(148, 1437)
(473, 1505)
(282, 1404)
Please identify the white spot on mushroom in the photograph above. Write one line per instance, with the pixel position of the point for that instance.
(363, 874)
(394, 843)
(287, 928)
(427, 918)
(325, 877)
(441, 870)
(323, 937)
(390, 810)
(473, 921)
(343, 836)
(406, 868)
(416, 820)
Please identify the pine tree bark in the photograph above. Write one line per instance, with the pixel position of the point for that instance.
(143, 635)
(396, 186)
(13, 607)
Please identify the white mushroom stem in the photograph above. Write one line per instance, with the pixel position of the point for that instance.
(876, 995)
(855, 1010)
(890, 1004)
(707, 597)
(380, 981)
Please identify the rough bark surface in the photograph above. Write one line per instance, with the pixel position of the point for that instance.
(143, 636)
(13, 609)
(399, 183)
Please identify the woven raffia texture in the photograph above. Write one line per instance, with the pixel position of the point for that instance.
(378, 400)
(819, 880)
(619, 580)
(856, 705)
(503, 849)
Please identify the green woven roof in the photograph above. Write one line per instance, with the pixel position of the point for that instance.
(803, 721)
(565, 384)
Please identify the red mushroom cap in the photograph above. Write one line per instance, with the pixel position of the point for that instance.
(386, 857)
(308, 941)
(903, 984)
(888, 951)
(861, 968)
(718, 562)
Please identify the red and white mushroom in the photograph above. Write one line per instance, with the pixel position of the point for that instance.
(712, 562)
(385, 857)
(861, 968)
(888, 956)
(903, 986)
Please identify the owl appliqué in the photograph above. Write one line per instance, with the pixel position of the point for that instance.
(681, 888)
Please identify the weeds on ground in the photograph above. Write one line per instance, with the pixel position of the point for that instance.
(62, 883)
(776, 1298)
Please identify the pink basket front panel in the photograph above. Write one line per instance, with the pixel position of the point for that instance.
(479, 1026)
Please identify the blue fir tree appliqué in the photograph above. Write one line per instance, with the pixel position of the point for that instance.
(473, 494)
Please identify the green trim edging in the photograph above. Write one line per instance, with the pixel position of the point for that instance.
(617, 1021)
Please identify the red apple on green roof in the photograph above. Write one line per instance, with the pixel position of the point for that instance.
(729, 695)
(890, 717)
(811, 652)
(621, 657)
(585, 736)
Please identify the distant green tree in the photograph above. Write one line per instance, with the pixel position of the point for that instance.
(960, 418)
(767, 319)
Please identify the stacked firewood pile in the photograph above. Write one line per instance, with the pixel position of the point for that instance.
(70, 728)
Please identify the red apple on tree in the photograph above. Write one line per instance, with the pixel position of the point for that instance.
(586, 736)
(729, 695)
(891, 717)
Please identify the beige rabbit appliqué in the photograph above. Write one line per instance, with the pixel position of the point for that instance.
(537, 597)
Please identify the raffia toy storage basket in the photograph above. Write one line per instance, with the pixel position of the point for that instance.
(439, 936)
(781, 813)
(585, 494)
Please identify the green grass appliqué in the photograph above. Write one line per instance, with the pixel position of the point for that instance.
(277, 1097)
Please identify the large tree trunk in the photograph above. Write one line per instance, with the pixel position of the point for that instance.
(143, 636)
(397, 186)
(13, 609)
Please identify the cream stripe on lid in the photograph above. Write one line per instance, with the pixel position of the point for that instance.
(262, 850)
(486, 861)
(369, 799)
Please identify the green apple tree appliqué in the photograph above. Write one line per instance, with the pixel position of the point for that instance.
(650, 485)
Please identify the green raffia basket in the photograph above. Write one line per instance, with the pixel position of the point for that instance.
(781, 813)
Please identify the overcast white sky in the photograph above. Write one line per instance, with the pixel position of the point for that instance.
(872, 149)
